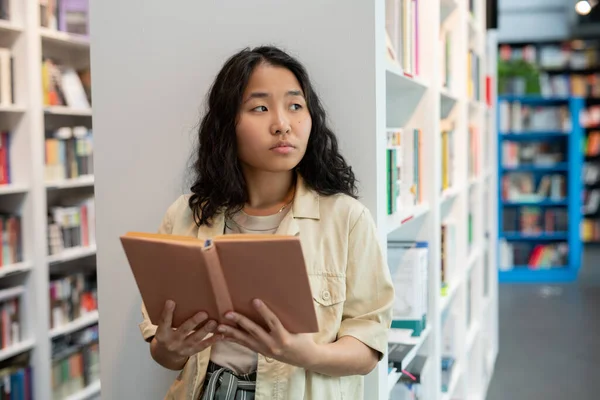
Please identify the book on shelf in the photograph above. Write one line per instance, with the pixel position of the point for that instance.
(5, 11)
(448, 364)
(446, 60)
(65, 15)
(5, 158)
(75, 362)
(64, 86)
(72, 297)
(522, 187)
(7, 92)
(16, 378)
(68, 153)
(72, 226)
(402, 28)
(447, 164)
(10, 320)
(212, 275)
(537, 153)
(11, 239)
(532, 255)
(590, 230)
(408, 263)
(591, 201)
(516, 117)
(532, 220)
(448, 254)
(403, 169)
(474, 77)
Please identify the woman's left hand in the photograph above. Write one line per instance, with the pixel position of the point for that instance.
(295, 349)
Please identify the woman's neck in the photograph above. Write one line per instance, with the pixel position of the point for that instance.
(268, 192)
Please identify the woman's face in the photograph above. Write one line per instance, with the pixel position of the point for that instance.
(273, 123)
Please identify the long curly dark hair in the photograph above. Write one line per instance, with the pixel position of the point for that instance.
(219, 185)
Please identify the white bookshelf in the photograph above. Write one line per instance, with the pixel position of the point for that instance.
(29, 194)
(366, 95)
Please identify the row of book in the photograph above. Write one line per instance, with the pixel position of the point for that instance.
(474, 88)
(408, 263)
(403, 169)
(402, 28)
(445, 60)
(62, 85)
(447, 164)
(590, 117)
(531, 220)
(10, 320)
(65, 15)
(71, 226)
(5, 158)
(473, 165)
(523, 187)
(590, 201)
(532, 256)
(538, 153)
(591, 144)
(591, 173)
(11, 239)
(515, 117)
(16, 378)
(68, 153)
(75, 362)
(448, 255)
(550, 56)
(7, 84)
(72, 297)
(590, 230)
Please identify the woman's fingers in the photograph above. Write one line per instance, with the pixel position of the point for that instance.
(242, 338)
(166, 320)
(270, 318)
(192, 323)
(201, 333)
(251, 327)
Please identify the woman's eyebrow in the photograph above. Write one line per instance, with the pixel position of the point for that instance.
(262, 95)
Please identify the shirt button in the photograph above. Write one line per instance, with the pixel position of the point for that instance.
(326, 295)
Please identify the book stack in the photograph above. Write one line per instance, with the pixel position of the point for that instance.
(11, 248)
(71, 297)
(10, 319)
(68, 153)
(408, 262)
(402, 27)
(64, 86)
(75, 362)
(534, 221)
(473, 159)
(521, 187)
(72, 226)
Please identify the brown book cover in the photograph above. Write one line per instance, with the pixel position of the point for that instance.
(222, 274)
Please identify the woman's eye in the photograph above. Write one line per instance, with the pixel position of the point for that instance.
(295, 107)
(260, 108)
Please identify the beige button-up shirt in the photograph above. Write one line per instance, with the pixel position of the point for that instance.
(351, 288)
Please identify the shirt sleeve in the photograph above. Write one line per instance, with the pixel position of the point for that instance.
(148, 329)
(367, 311)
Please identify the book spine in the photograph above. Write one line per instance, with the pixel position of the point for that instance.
(217, 281)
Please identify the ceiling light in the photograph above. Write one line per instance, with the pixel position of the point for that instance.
(583, 7)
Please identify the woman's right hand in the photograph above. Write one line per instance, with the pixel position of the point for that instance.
(171, 347)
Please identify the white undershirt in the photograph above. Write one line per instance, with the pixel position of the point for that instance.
(237, 358)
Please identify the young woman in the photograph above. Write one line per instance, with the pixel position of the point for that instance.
(267, 163)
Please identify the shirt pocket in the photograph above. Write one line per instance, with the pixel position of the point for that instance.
(329, 295)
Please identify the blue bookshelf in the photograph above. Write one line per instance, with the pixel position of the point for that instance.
(532, 246)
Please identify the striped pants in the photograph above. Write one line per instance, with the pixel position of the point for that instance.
(223, 384)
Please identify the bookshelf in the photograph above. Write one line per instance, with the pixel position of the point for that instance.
(389, 114)
(540, 141)
(45, 128)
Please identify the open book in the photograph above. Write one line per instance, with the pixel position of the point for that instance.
(222, 274)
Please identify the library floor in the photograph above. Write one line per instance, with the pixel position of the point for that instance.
(550, 339)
